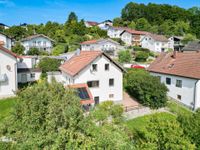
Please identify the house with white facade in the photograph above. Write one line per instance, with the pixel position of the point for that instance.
(175, 43)
(132, 37)
(115, 32)
(155, 43)
(102, 75)
(5, 41)
(106, 45)
(39, 41)
(8, 72)
(4, 26)
(105, 25)
(180, 72)
(26, 69)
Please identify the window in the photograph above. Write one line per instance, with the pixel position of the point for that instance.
(179, 97)
(168, 81)
(179, 83)
(111, 82)
(93, 83)
(106, 67)
(96, 99)
(94, 67)
(32, 75)
(111, 95)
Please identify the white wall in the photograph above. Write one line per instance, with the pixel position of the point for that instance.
(27, 62)
(127, 38)
(186, 92)
(28, 77)
(40, 43)
(8, 87)
(6, 41)
(114, 33)
(197, 95)
(103, 76)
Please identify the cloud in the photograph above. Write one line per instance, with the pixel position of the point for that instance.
(7, 3)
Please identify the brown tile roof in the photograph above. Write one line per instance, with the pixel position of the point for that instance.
(92, 23)
(79, 62)
(157, 37)
(136, 32)
(9, 52)
(185, 64)
(36, 36)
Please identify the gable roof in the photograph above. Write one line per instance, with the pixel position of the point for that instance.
(157, 37)
(192, 46)
(135, 32)
(77, 63)
(185, 64)
(36, 36)
(92, 23)
(98, 41)
(9, 52)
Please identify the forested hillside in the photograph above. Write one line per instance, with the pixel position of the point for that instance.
(160, 18)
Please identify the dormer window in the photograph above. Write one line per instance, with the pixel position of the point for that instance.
(94, 67)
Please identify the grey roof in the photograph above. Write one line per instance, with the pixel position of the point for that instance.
(36, 36)
(192, 46)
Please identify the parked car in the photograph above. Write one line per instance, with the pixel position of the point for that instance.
(137, 67)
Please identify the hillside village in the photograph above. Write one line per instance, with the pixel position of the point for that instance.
(101, 76)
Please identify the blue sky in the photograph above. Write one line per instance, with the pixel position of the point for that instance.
(40, 11)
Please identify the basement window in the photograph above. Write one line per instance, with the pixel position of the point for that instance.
(179, 97)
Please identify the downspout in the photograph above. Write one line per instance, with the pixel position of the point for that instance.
(195, 94)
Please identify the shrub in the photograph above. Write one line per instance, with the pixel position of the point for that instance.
(141, 56)
(124, 56)
(49, 64)
(18, 48)
(119, 41)
(33, 51)
(146, 88)
(59, 49)
(137, 48)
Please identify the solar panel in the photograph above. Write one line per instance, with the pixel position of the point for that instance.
(83, 93)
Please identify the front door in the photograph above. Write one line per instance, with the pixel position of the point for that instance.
(23, 78)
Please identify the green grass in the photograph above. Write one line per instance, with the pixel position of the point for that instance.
(177, 108)
(140, 123)
(6, 106)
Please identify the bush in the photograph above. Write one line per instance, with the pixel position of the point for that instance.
(146, 88)
(33, 51)
(141, 56)
(49, 64)
(60, 49)
(118, 40)
(18, 48)
(137, 48)
(124, 56)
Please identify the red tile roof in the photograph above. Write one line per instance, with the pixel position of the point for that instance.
(185, 64)
(9, 52)
(79, 62)
(157, 37)
(89, 42)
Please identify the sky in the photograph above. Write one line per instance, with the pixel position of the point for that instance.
(14, 12)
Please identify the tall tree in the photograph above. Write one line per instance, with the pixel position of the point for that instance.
(72, 17)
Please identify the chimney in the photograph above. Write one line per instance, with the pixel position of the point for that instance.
(174, 54)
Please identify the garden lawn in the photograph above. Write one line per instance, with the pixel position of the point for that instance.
(140, 123)
(6, 106)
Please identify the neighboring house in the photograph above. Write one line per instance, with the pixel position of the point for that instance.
(8, 72)
(155, 43)
(132, 37)
(89, 24)
(103, 76)
(105, 24)
(39, 41)
(115, 32)
(192, 46)
(26, 69)
(106, 45)
(4, 26)
(5, 41)
(175, 43)
(180, 72)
